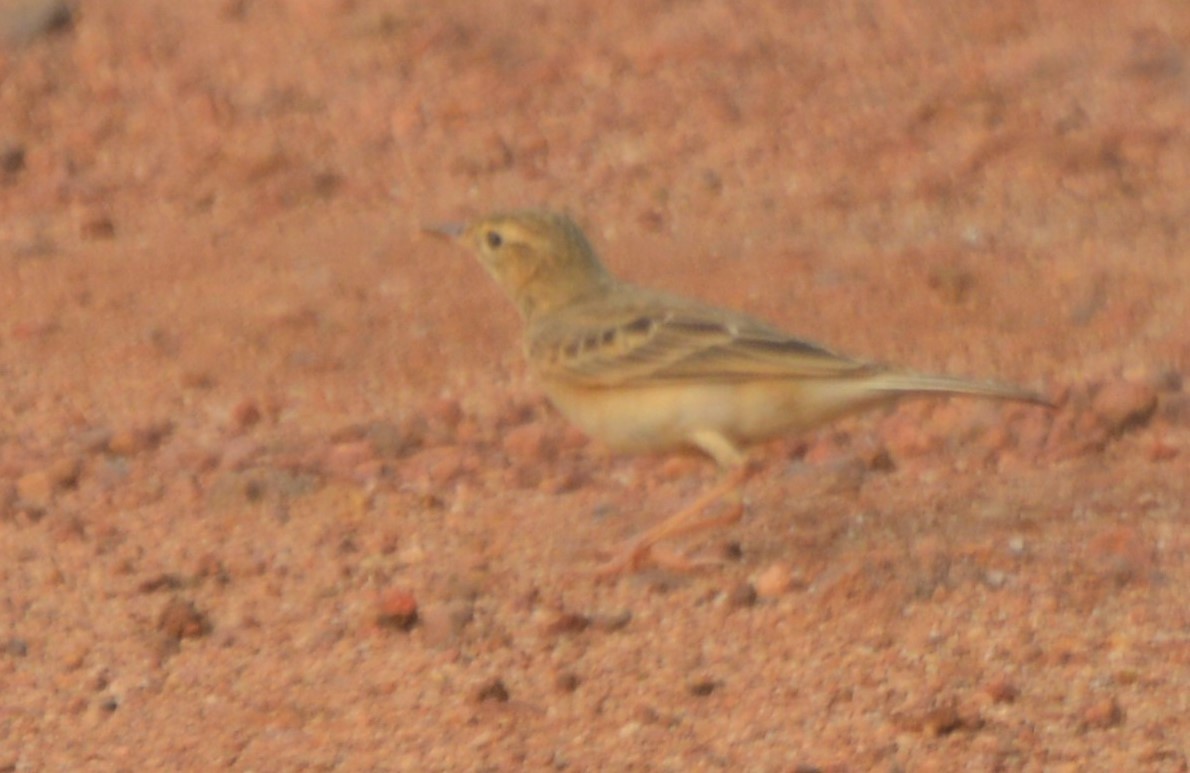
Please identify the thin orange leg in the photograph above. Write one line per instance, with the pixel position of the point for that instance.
(638, 551)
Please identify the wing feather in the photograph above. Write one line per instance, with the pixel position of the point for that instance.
(651, 338)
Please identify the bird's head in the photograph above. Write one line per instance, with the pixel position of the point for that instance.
(542, 259)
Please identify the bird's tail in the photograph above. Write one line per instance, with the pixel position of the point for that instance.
(908, 384)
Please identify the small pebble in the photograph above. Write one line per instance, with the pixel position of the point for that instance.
(1120, 406)
(615, 621)
(1001, 690)
(528, 443)
(397, 609)
(389, 440)
(342, 459)
(742, 595)
(994, 578)
(95, 441)
(38, 487)
(181, 619)
(239, 453)
(1161, 450)
(492, 690)
(96, 225)
(943, 720)
(1103, 714)
(566, 681)
(209, 566)
(444, 412)
(160, 582)
(12, 160)
(442, 624)
(568, 623)
(245, 415)
(774, 581)
(135, 440)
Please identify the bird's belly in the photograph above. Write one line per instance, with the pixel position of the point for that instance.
(664, 416)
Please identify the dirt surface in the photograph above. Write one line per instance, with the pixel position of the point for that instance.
(276, 491)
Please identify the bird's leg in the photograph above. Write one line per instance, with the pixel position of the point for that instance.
(638, 551)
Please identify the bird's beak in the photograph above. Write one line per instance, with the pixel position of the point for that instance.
(445, 230)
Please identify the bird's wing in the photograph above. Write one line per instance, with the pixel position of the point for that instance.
(650, 338)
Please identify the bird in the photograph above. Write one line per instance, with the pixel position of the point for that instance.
(644, 370)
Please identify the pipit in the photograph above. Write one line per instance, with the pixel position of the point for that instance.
(643, 370)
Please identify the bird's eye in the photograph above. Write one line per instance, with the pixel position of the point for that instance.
(494, 239)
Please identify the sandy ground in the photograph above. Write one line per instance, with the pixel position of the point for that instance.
(276, 491)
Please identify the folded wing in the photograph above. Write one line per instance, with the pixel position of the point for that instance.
(655, 339)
